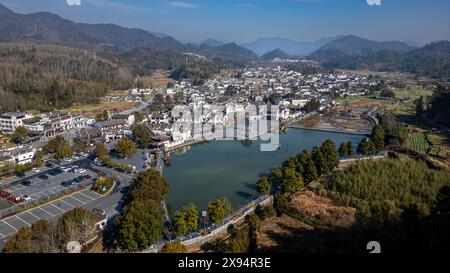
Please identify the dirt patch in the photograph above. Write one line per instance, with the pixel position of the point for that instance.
(316, 209)
(311, 220)
(158, 79)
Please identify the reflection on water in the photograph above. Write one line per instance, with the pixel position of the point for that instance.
(230, 169)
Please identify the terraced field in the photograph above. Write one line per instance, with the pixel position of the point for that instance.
(418, 143)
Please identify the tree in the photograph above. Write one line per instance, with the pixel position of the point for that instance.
(330, 154)
(125, 147)
(53, 145)
(310, 172)
(175, 247)
(377, 137)
(63, 151)
(191, 216)
(263, 186)
(20, 134)
(101, 151)
(292, 181)
(21, 242)
(312, 105)
(149, 184)
(350, 150)
(80, 146)
(319, 160)
(343, 150)
(275, 177)
(38, 159)
(366, 147)
(140, 224)
(218, 210)
(142, 135)
(179, 227)
(420, 106)
(78, 225)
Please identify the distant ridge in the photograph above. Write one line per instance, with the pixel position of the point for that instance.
(277, 53)
(291, 47)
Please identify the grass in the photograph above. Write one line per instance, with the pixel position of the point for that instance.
(418, 142)
(413, 93)
(92, 110)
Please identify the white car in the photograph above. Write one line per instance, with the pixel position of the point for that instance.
(80, 171)
(36, 170)
(26, 198)
(67, 159)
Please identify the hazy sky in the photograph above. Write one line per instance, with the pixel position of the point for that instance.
(245, 20)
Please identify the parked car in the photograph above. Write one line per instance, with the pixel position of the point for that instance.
(43, 177)
(26, 183)
(26, 198)
(67, 159)
(21, 174)
(49, 165)
(36, 170)
(75, 157)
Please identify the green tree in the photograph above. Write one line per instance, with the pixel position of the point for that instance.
(319, 160)
(80, 146)
(263, 186)
(175, 247)
(292, 182)
(179, 226)
(142, 135)
(63, 151)
(125, 147)
(366, 147)
(377, 137)
(331, 156)
(101, 151)
(53, 145)
(20, 134)
(310, 172)
(350, 150)
(140, 224)
(149, 184)
(191, 216)
(343, 150)
(38, 159)
(218, 210)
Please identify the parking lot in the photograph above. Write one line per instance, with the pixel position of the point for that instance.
(48, 186)
(49, 211)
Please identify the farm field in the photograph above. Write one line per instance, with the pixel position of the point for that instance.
(418, 142)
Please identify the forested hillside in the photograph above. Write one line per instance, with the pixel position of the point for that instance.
(45, 77)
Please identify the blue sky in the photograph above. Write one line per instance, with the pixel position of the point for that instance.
(245, 20)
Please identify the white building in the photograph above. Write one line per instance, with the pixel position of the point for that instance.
(10, 121)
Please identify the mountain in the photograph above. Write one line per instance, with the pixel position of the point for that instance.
(432, 60)
(277, 53)
(213, 42)
(354, 46)
(351, 52)
(44, 27)
(291, 47)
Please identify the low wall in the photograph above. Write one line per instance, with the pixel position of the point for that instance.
(221, 231)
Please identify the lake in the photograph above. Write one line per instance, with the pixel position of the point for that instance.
(230, 169)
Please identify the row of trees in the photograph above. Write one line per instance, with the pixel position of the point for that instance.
(302, 169)
(49, 237)
(141, 221)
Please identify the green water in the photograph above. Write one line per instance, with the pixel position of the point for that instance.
(230, 169)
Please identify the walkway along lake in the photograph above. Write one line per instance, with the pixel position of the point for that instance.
(230, 169)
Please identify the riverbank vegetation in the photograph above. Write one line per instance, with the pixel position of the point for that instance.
(140, 224)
